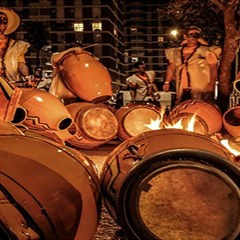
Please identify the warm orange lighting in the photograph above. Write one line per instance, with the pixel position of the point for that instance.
(226, 144)
(156, 124)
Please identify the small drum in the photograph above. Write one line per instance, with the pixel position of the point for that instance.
(85, 76)
(44, 111)
(208, 117)
(96, 123)
(133, 118)
(173, 184)
(50, 191)
(231, 121)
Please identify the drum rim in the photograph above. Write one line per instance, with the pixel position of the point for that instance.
(208, 159)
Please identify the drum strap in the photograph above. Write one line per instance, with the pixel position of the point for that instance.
(12, 222)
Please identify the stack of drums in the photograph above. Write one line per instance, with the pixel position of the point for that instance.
(50, 191)
(173, 184)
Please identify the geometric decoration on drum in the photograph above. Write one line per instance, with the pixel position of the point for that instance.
(50, 191)
(44, 111)
(207, 116)
(173, 184)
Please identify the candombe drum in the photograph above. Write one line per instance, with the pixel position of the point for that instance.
(207, 116)
(133, 118)
(84, 75)
(47, 114)
(10, 111)
(49, 191)
(96, 123)
(173, 184)
(231, 121)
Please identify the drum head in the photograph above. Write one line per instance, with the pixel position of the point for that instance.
(136, 120)
(184, 197)
(99, 124)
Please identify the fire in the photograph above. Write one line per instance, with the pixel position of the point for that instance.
(226, 144)
(188, 125)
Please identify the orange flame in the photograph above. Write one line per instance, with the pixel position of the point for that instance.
(226, 144)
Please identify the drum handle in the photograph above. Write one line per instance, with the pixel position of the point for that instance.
(133, 149)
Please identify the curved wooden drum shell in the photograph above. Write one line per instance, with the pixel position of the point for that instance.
(231, 121)
(56, 189)
(132, 119)
(172, 184)
(44, 111)
(86, 77)
(96, 123)
(208, 117)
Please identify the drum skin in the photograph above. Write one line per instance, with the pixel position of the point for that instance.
(44, 111)
(96, 124)
(132, 118)
(208, 117)
(231, 121)
(173, 184)
(85, 76)
(56, 189)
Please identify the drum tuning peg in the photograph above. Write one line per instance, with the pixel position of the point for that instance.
(133, 149)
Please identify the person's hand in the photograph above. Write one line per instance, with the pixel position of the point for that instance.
(166, 86)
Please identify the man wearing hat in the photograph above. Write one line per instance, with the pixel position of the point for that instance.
(12, 60)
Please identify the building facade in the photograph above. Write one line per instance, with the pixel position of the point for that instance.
(118, 32)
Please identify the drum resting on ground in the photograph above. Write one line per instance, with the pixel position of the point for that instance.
(47, 190)
(173, 184)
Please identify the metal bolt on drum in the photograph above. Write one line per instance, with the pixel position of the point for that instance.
(173, 184)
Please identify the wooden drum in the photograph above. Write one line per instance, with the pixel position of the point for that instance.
(208, 117)
(231, 121)
(172, 184)
(85, 76)
(96, 123)
(133, 118)
(49, 191)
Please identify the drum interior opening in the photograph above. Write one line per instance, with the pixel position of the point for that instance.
(99, 124)
(65, 123)
(189, 204)
(232, 117)
(136, 120)
(19, 116)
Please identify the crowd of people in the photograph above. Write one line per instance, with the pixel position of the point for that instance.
(192, 66)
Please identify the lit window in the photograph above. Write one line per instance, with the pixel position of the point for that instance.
(78, 27)
(97, 26)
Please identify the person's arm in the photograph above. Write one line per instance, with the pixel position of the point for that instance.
(213, 74)
(169, 76)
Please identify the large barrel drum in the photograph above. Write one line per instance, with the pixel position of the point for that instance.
(96, 123)
(133, 118)
(173, 184)
(231, 121)
(85, 76)
(208, 117)
(49, 191)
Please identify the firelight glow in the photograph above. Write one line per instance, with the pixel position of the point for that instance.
(225, 143)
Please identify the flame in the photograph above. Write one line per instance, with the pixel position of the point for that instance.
(179, 125)
(234, 151)
(155, 124)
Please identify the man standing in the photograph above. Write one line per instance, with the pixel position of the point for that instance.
(141, 82)
(193, 66)
(12, 60)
